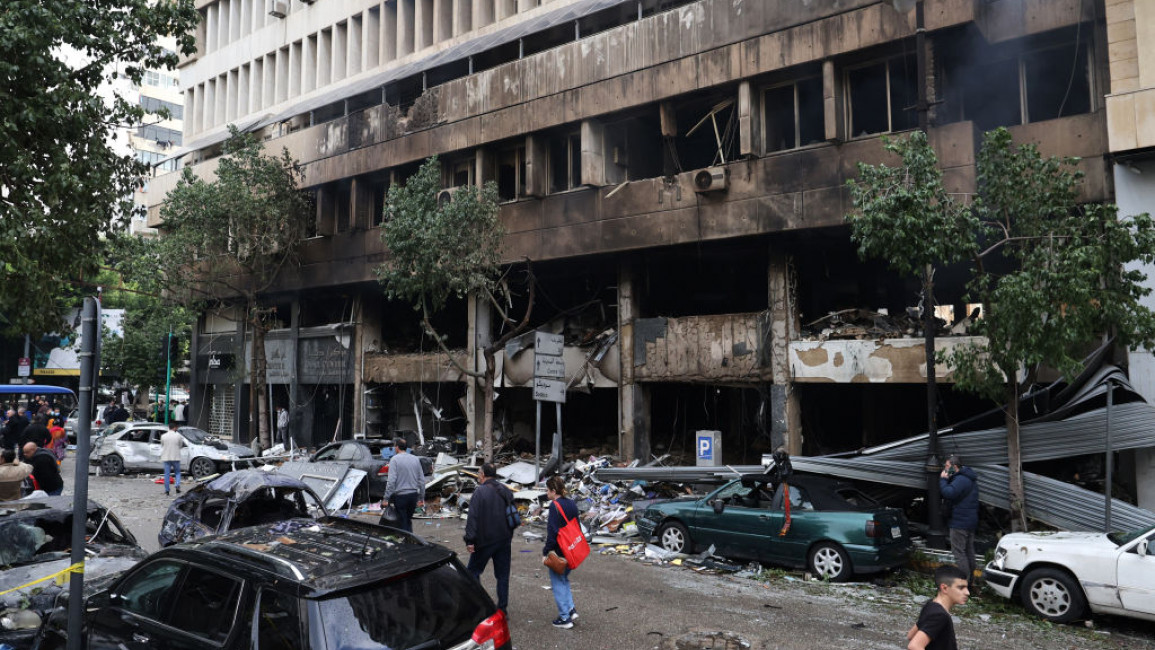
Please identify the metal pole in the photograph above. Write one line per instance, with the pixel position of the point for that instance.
(89, 362)
(560, 460)
(537, 448)
(167, 377)
(1110, 461)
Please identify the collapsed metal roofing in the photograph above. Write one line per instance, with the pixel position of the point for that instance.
(1063, 505)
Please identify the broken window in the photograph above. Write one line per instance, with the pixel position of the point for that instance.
(881, 96)
(565, 161)
(793, 115)
(459, 172)
(279, 622)
(511, 174)
(1057, 81)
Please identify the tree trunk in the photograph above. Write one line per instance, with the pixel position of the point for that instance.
(1014, 456)
(258, 400)
(487, 392)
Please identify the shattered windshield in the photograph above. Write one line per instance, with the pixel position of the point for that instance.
(1121, 538)
(194, 435)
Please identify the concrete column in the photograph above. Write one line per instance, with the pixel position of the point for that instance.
(634, 398)
(405, 27)
(362, 203)
(388, 32)
(479, 336)
(482, 13)
(462, 16)
(295, 383)
(593, 171)
(831, 103)
(241, 386)
(194, 414)
(749, 120)
(371, 48)
(212, 14)
(423, 24)
(536, 165)
(442, 20)
(785, 416)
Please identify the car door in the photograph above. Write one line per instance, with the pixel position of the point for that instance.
(806, 525)
(753, 526)
(1136, 576)
(133, 446)
(710, 527)
(155, 448)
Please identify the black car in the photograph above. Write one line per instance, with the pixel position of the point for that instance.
(365, 455)
(293, 585)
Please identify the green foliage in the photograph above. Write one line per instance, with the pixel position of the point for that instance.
(905, 215)
(62, 181)
(440, 251)
(230, 236)
(134, 357)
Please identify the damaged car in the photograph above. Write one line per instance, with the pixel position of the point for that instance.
(35, 543)
(365, 455)
(1064, 576)
(302, 583)
(826, 526)
(136, 447)
(237, 499)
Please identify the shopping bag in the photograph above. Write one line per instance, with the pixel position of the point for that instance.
(555, 562)
(573, 543)
(389, 516)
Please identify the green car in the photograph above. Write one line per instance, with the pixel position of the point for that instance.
(833, 529)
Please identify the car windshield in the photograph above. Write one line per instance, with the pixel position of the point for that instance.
(194, 435)
(439, 607)
(1121, 538)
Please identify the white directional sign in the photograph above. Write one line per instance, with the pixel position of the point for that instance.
(553, 367)
(548, 344)
(549, 390)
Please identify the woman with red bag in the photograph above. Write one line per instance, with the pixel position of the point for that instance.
(561, 511)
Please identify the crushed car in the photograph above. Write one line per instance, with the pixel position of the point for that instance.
(35, 542)
(235, 500)
(828, 527)
(365, 455)
(1064, 576)
(136, 447)
(300, 583)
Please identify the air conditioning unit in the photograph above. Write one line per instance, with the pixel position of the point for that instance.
(446, 195)
(278, 8)
(711, 179)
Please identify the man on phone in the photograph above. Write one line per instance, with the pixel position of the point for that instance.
(959, 485)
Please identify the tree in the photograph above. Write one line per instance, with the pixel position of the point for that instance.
(451, 249)
(62, 180)
(135, 357)
(229, 238)
(1070, 280)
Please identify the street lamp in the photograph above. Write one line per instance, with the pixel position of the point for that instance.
(935, 536)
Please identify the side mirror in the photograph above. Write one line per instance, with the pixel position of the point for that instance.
(719, 506)
(1141, 549)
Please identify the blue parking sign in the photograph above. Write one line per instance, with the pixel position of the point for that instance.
(705, 447)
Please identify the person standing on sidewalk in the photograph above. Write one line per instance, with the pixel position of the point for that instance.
(12, 475)
(406, 484)
(935, 628)
(559, 582)
(959, 486)
(170, 445)
(487, 532)
(45, 469)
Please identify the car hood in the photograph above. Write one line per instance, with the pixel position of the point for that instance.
(1055, 540)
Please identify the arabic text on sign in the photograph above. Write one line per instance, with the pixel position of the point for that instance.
(545, 343)
(544, 366)
(548, 390)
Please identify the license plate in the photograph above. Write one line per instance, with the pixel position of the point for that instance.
(896, 532)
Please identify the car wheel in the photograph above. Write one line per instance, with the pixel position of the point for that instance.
(829, 561)
(202, 467)
(1053, 594)
(111, 465)
(674, 537)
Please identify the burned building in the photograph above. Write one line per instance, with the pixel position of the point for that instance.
(676, 170)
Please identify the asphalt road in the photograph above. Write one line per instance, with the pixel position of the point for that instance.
(626, 603)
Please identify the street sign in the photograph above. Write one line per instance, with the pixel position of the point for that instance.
(549, 390)
(548, 344)
(24, 367)
(552, 367)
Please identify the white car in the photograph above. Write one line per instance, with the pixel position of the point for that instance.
(136, 446)
(1058, 576)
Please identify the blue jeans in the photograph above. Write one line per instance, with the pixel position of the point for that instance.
(562, 595)
(171, 466)
(500, 554)
(406, 504)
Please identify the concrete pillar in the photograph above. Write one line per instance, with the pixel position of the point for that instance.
(462, 16)
(405, 27)
(749, 120)
(361, 195)
(831, 103)
(442, 20)
(593, 157)
(295, 418)
(241, 386)
(634, 398)
(785, 416)
(536, 165)
(479, 336)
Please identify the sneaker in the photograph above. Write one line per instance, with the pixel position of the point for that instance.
(564, 624)
(166, 493)
(178, 489)
(573, 615)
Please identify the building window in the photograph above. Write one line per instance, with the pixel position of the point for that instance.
(159, 79)
(565, 162)
(459, 172)
(511, 174)
(793, 115)
(154, 105)
(168, 137)
(881, 96)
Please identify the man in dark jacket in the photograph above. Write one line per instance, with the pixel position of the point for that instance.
(14, 429)
(37, 432)
(487, 532)
(45, 469)
(960, 486)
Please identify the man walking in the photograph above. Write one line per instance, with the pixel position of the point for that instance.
(959, 485)
(283, 426)
(487, 532)
(935, 628)
(406, 483)
(45, 469)
(170, 445)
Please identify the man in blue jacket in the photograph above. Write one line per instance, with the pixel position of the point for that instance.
(487, 532)
(960, 486)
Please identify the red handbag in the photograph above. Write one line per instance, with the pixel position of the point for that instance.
(573, 543)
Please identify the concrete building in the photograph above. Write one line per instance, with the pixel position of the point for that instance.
(155, 140)
(675, 169)
(1130, 108)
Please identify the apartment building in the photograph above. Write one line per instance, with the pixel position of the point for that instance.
(154, 141)
(675, 169)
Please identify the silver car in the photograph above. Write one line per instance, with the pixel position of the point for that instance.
(136, 447)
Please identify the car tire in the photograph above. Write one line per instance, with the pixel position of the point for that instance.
(1052, 594)
(829, 561)
(673, 536)
(112, 465)
(202, 467)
